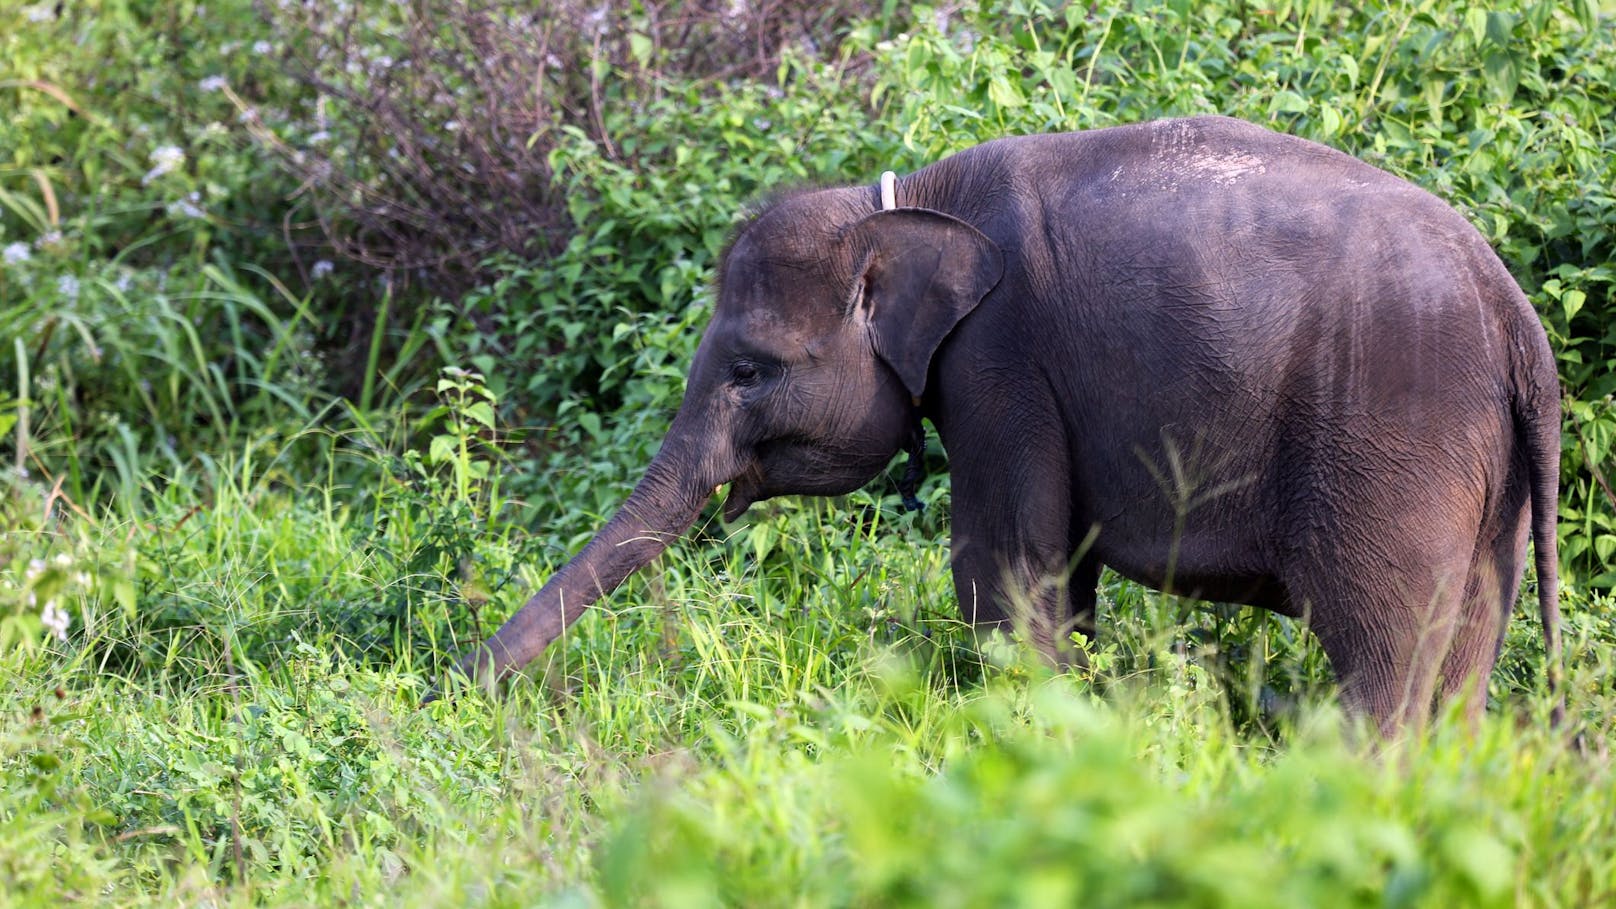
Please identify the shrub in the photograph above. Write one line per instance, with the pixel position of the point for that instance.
(132, 328)
(437, 122)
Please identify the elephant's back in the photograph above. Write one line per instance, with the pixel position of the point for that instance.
(1263, 254)
(1233, 288)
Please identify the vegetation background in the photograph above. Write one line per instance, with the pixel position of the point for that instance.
(327, 330)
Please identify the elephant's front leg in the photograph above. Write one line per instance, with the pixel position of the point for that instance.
(1018, 564)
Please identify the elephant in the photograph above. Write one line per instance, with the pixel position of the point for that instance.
(1226, 362)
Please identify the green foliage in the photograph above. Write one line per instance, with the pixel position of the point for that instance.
(124, 202)
(653, 213)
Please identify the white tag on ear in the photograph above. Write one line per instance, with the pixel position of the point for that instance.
(889, 190)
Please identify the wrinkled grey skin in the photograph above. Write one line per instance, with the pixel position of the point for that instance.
(1225, 362)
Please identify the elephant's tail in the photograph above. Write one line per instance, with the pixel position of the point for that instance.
(1537, 426)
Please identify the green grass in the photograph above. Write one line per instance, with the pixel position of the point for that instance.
(789, 717)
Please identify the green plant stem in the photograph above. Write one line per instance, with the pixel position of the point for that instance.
(23, 404)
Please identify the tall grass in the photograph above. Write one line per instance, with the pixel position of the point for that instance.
(792, 716)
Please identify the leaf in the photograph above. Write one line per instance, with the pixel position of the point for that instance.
(1329, 120)
(640, 47)
(1499, 27)
(1501, 74)
(1288, 102)
(482, 412)
(1572, 301)
(1004, 93)
(1605, 547)
(441, 449)
(1587, 13)
(1349, 63)
(1598, 436)
(762, 539)
(1063, 82)
(590, 421)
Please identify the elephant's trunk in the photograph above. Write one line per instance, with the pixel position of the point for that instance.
(660, 509)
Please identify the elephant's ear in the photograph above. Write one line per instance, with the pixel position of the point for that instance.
(922, 271)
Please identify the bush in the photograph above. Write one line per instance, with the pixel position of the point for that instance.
(133, 332)
(437, 122)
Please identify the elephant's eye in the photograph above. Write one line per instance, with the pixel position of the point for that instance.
(745, 373)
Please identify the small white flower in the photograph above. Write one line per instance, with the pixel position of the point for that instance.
(35, 568)
(186, 207)
(124, 282)
(68, 286)
(262, 47)
(212, 83)
(39, 13)
(16, 253)
(248, 115)
(62, 559)
(164, 158)
(49, 238)
(170, 156)
(321, 269)
(55, 619)
(452, 126)
(737, 8)
(319, 138)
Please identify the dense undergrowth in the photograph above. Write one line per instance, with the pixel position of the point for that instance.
(262, 473)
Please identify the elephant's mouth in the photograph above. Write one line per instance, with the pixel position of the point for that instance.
(743, 491)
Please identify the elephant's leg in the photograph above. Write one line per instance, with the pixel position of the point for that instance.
(1015, 564)
(1490, 593)
(1386, 633)
(1378, 552)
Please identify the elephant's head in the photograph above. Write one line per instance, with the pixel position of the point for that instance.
(827, 319)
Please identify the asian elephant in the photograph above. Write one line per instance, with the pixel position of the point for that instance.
(1226, 362)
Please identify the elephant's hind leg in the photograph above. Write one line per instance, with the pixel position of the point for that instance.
(1491, 589)
(1386, 640)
